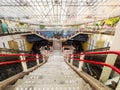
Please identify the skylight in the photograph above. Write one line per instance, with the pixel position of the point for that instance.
(59, 12)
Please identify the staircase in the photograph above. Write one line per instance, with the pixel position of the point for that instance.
(54, 75)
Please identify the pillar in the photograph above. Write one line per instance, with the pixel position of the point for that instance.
(24, 65)
(43, 57)
(81, 63)
(67, 57)
(71, 59)
(111, 58)
(37, 59)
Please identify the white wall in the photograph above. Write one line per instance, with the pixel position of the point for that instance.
(17, 38)
(99, 37)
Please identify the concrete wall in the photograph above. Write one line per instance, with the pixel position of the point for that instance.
(28, 45)
(20, 40)
(85, 45)
(99, 41)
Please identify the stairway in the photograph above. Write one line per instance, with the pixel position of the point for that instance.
(54, 75)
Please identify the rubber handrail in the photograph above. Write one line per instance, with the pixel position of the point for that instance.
(100, 63)
(21, 54)
(17, 61)
(99, 52)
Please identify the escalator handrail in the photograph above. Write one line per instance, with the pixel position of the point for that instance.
(95, 62)
(19, 60)
(98, 52)
(100, 63)
(20, 54)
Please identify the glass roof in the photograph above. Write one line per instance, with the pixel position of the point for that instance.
(59, 12)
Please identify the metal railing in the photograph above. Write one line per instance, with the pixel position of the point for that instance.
(80, 57)
(12, 64)
(95, 62)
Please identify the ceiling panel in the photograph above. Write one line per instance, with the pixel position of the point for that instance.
(59, 12)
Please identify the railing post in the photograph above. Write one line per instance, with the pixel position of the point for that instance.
(71, 60)
(24, 65)
(37, 59)
(67, 57)
(81, 63)
(43, 58)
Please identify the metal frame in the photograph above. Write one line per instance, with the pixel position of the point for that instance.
(65, 12)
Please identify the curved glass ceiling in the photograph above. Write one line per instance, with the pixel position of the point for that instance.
(59, 12)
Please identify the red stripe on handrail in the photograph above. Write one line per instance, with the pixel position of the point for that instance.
(100, 63)
(100, 52)
(21, 54)
(17, 61)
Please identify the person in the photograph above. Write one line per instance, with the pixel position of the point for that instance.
(3, 27)
(1, 30)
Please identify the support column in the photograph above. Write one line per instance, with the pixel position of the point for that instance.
(71, 60)
(81, 63)
(111, 58)
(67, 57)
(43, 56)
(37, 59)
(24, 65)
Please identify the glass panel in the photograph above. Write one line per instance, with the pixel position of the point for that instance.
(59, 12)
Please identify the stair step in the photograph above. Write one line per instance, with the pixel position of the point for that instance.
(47, 76)
(49, 87)
(54, 81)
